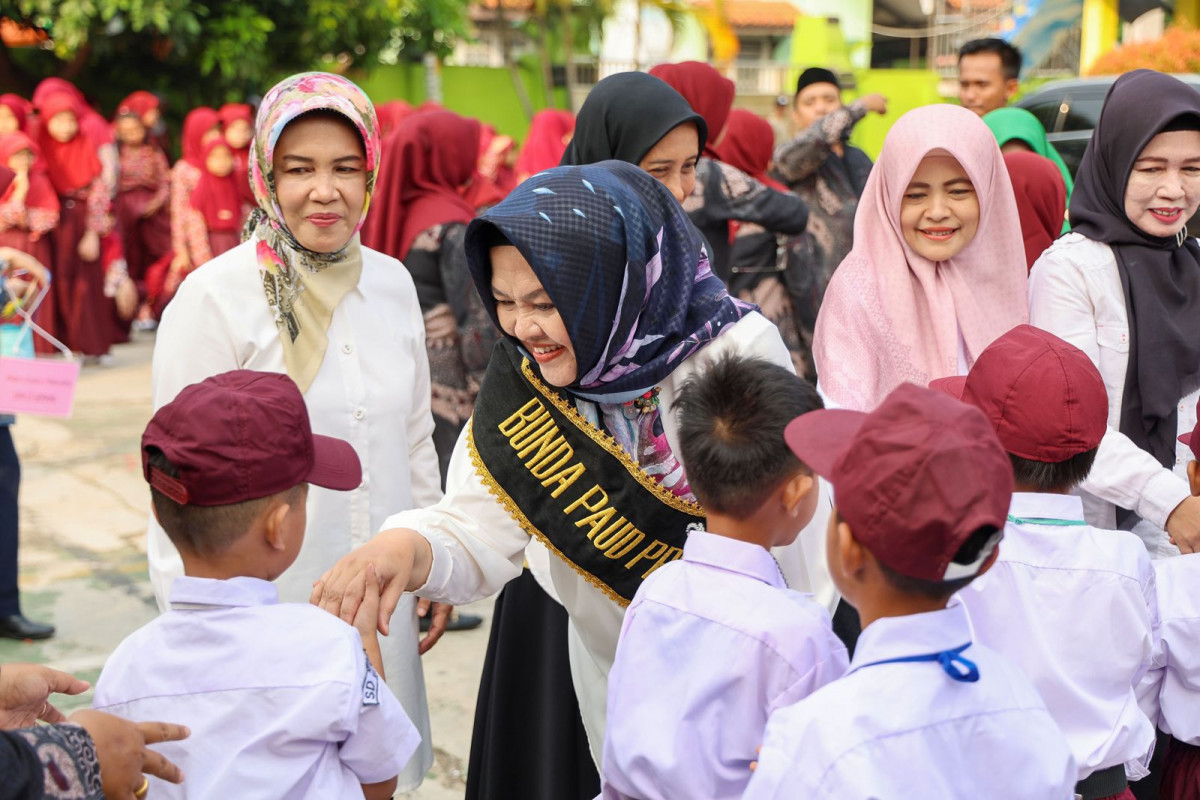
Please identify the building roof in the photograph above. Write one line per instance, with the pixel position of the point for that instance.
(757, 13)
(509, 5)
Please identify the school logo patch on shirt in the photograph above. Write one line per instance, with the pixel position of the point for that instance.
(370, 688)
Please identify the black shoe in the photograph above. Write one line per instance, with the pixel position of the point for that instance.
(16, 626)
(458, 622)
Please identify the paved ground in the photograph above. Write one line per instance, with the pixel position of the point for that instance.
(84, 507)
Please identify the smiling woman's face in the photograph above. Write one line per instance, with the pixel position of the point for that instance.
(321, 181)
(939, 213)
(1163, 190)
(527, 314)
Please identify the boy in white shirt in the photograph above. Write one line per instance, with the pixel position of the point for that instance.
(1172, 694)
(714, 642)
(281, 698)
(922, 489)
(1072, 605)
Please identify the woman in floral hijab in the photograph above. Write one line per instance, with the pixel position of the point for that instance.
(302, 296)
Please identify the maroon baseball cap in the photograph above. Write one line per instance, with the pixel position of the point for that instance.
(1192, 439)
(243, 435)
(914, 478)
(1044, 397)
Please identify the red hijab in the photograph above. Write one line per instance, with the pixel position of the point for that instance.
(232, 112)
(139, 103)
(1041, 200)
(20, 107)
(41, 192)
(198, 122)
(391, 114)
(425, 162)
(544, 145)
(748, 145)
(216, 197)
(95, 126)
(71, 165)
(708, 92)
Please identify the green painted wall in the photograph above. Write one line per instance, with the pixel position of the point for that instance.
(484, 93)
(905, 90)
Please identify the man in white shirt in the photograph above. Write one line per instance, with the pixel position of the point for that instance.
(282, 699)
(1072, 605)
(715, 642)
(922, 490)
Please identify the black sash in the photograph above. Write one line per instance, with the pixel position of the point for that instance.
(570, 484)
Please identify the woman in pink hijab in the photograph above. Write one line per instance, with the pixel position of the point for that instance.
(938, 269)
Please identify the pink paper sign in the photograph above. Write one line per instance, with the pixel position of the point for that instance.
(43, 386)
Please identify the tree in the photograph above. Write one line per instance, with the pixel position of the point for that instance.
(1178, 51)
(196, 52)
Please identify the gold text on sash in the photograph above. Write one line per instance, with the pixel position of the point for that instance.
(532, 432)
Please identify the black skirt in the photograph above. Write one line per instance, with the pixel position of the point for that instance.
(528, 740)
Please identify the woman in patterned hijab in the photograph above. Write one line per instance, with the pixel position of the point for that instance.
(302, 296)
(607, 305)
(306, 241)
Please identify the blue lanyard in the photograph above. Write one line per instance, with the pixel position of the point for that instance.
(953, 664)
(1051, 521)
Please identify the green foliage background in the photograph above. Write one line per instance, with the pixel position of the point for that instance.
(219, 50)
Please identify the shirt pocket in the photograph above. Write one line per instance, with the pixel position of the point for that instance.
(1113, 345)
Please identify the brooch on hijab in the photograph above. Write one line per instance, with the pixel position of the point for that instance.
(641, 405)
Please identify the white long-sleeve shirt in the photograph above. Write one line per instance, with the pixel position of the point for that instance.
(1171, 692)
(477, 546)
(897, 730)
(1075, 608)
(1075, 293)
(372, 390)
(711, 645)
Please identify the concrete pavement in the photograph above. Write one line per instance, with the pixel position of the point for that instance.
(84, 508)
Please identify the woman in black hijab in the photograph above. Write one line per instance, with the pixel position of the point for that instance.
(1124, 286)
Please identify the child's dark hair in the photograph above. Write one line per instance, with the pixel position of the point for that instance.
(731, 422)
(1053, 476)
(206, 530)
(937, 590)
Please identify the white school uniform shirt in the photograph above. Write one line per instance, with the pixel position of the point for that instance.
(1075, 293)
(711, 645)
(280, 698)
(477, 546)
(902, 731)
(1075, 608)
(1172, 689)
(372, 390)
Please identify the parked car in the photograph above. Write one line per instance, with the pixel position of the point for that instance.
(1068, 110)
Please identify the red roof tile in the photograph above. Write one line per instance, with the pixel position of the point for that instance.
(757, 13)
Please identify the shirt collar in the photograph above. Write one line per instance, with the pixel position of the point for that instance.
(732, 555)
(913, 635)
(187, 592)
(1031, 505)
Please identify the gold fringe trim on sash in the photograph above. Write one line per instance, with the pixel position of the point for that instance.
(519, 517)
(609, 444)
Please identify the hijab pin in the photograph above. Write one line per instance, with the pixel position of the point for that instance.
(1181, 236)
(645, 404)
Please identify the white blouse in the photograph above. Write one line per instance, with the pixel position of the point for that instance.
(372, 390)
(478, 547)
(1075, 293)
